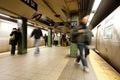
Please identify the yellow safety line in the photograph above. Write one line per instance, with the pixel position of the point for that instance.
(102, 69)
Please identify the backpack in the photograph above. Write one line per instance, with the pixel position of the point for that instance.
(84, 37)
(88, 37)
(73, 36)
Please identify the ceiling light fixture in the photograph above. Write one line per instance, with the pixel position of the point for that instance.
(94, 9)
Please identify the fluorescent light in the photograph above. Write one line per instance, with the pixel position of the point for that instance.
(90, 18)
(95, 5)
(94, 8)
(5, 15)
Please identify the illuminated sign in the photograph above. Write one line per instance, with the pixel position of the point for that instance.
(30, 3)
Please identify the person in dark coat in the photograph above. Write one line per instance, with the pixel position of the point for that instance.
(14, 37)
(46, 39)
(82, 41)
(37, 33)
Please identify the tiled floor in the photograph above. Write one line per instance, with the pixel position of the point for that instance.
(51, 64)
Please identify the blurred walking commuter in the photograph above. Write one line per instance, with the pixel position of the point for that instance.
(37, 33)
(82, 37)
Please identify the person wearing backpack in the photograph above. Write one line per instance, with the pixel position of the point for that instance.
(82, 38)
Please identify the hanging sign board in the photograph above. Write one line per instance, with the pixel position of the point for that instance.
(30, 3)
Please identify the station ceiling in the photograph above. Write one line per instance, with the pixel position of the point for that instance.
(58, 11)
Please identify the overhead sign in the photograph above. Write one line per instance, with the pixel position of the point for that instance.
(30, 3)
(36, 16)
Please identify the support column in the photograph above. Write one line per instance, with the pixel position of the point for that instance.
(22, 43)
(50, 38)
(73, 46)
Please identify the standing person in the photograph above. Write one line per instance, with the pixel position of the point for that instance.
(14, 37)
(37, 33)
(45, 39)
(56, 38)
(64, 40)
(82, 42)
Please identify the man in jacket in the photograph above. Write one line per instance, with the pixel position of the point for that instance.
(83, 39)
(37, 33)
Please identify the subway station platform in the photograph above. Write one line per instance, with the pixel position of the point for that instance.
(53, 63)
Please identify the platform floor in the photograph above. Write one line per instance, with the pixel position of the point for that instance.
(53, 63)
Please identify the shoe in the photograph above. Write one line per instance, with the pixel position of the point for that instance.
(36, 52)
(12, 54)
(86, 69)
(76, 62)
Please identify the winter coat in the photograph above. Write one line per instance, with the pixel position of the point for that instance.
(37, 33)
(15, 37)
(84, 36)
